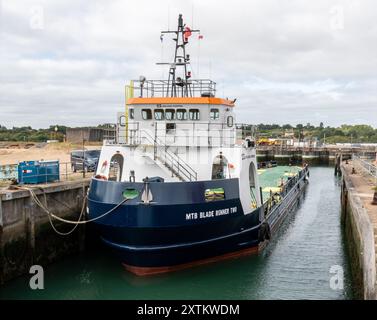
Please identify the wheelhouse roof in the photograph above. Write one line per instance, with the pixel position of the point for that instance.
(181, 100)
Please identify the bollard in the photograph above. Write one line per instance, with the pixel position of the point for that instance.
(337, 170)
(374, 202)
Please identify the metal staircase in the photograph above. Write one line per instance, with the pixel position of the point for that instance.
(170, 160)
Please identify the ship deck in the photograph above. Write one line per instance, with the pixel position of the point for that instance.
(271, 178)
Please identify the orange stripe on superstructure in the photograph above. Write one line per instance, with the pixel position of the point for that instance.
(178, 100)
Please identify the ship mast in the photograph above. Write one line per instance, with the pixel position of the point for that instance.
(179, 86)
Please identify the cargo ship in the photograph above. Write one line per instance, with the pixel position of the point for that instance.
(176, 188)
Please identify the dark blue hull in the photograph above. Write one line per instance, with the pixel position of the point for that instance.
(180, 227)
(165, 234)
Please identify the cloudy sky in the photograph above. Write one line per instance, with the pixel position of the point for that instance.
(286, 61)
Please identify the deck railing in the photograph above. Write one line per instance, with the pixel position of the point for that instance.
(368, 167)
(187, 133)
(162, 88)
(172, 161)
(9, 172)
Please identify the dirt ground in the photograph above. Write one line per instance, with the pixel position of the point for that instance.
(53, 151)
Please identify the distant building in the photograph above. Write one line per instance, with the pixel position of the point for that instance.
(289, 133)
(244, 130)
(77, 135)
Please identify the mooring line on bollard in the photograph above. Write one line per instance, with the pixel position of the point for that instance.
(49, 214)
(76, 223)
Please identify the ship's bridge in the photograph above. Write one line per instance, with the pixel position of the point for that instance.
(189, 116)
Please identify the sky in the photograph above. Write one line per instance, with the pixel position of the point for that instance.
(286, 61)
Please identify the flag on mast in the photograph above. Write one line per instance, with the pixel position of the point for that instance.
(187, 33)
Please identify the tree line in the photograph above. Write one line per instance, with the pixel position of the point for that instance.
(343, 134)
(360, 133)
(28, 134)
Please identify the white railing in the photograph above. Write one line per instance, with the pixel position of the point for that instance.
(181, 134)
(172, 161)
(369, 167)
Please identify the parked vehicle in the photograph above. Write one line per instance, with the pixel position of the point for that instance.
(84, 160)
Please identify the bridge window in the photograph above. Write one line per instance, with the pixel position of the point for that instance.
(146, 114)
(181, 114)
(170, 114)
(170, 128)
(159, 114)
(229, 121)
(214, 114)
(122, 119)
(194, 114)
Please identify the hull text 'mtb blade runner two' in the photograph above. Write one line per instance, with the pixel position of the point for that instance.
(175, 189)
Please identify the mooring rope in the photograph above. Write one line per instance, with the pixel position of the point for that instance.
(50, 215)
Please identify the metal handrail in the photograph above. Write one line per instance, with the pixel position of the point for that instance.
(287, 195)
(226, 135)
(370, 168)
(65, 172)
(175, 160)
(157, 88)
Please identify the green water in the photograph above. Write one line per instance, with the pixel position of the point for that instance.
(295, 265)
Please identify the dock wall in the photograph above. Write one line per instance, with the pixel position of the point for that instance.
(26, 235)
(310, 153)
(359, 233)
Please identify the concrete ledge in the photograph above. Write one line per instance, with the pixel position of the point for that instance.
(360, 238)
(8, 194)
(26, 236)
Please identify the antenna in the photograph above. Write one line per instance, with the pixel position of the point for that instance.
(198, 58)
(168, 17)
(192, 16)
(179, 85)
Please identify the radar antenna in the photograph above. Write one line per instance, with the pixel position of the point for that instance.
(179, 84)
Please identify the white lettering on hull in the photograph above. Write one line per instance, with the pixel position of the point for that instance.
(210, 214)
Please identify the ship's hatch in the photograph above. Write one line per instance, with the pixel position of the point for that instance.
(219, 167)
